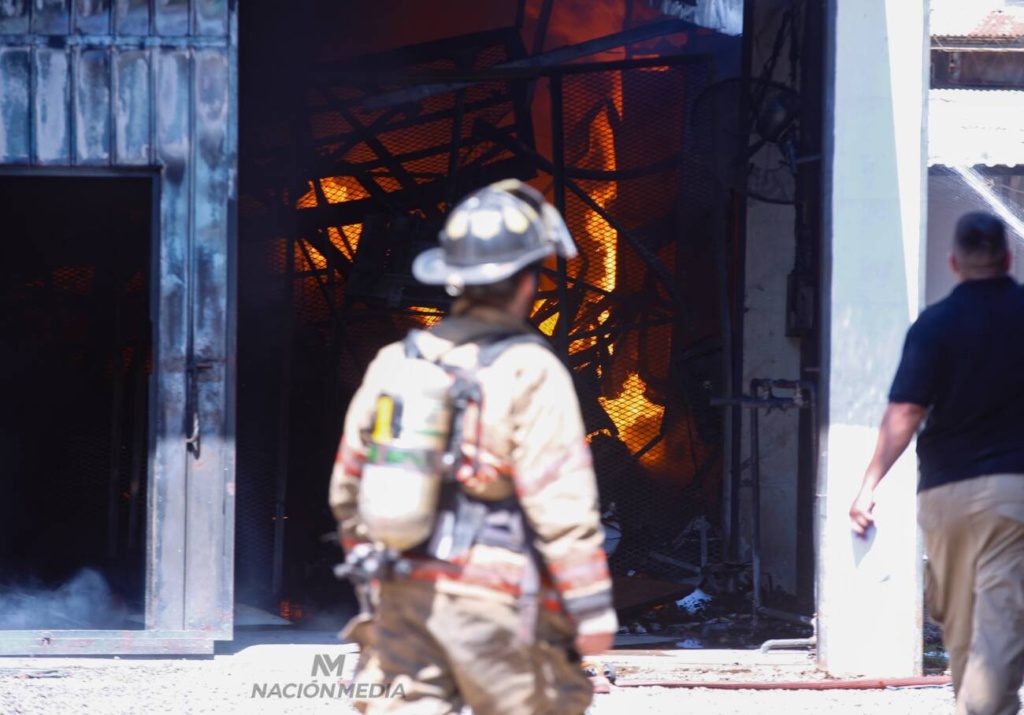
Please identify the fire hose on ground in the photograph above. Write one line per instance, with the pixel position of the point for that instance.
(924, 681)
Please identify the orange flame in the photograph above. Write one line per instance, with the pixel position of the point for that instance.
(336, 189)
(603, 236)
(548, 325)
(581, 344)
(315, 262)
(636, 417)
(346, 239)
(426, 316)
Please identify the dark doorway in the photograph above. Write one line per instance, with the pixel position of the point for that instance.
(75, 362)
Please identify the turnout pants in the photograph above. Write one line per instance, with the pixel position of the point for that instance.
(447, 651)
(974, 586)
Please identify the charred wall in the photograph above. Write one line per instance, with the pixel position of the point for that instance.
(95, 90)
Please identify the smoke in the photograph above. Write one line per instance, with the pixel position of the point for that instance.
(85, 602)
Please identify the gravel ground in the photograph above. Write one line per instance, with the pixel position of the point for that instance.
(174, 687)
(225, 685)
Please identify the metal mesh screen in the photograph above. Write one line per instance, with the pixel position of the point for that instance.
(374, 167)
(643, 335)
(263, 335)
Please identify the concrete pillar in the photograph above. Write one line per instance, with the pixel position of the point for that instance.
(869, 592)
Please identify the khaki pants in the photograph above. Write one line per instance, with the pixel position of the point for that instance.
(974, 586)
(448, 651)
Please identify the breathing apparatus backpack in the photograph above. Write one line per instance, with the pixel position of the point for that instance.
(409, 496)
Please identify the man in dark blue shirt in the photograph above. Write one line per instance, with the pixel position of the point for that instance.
(962, 373)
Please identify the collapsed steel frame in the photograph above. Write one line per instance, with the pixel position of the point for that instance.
(357, 108)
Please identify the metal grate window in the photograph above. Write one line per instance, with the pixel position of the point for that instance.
(635, 202)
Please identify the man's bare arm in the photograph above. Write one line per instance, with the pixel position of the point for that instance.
(899, 424)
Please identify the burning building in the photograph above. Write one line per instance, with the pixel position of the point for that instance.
(345, 181)
(207, 240)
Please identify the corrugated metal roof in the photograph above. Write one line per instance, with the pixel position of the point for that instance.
(977, 20)
(967, 127)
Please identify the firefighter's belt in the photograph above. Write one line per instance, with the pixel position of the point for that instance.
(472, 575)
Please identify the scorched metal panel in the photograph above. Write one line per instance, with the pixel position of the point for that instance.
(115, 85)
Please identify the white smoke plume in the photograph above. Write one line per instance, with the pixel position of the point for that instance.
(84, 602)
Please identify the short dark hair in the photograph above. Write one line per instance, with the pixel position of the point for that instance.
(980, 240)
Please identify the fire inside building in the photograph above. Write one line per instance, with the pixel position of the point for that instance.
(210, 214)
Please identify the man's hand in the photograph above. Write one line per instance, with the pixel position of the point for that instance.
(860, 512)
(594, 643)
(900, 421)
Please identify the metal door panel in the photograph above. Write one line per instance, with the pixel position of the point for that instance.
(15, 119)
(211, 465)
(92, 107)
(131, 17)
(50, 107)
(92, 17)
(171, 423)
(172, 18)
(133, 112)
(14, 17)
(51, 17)
(152, 85)
(212, 17)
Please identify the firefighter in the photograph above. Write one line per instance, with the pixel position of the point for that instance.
(510, 587)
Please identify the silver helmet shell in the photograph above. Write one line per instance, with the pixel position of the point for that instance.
(491, 234)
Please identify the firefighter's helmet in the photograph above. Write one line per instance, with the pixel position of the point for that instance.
(491, 234)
